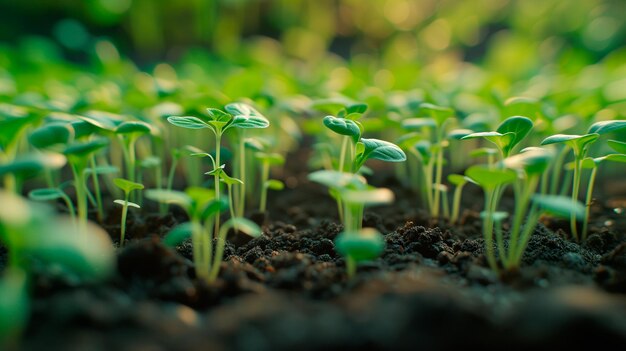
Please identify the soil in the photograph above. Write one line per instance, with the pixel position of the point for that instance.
(287, 290)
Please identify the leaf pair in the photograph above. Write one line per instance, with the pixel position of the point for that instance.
(508, 134)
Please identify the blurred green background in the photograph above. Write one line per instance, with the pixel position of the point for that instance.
(397, 30)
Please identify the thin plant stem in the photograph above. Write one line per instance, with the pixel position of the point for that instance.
(575, 190)
(592, 180)
(96, 188)
(264, 177)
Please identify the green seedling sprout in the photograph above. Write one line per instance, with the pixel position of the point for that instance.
(580, 146)
(230, 182)
(128, 134)
(268, 160)
(14, 121)
(127, 187)
(490, 179)
(50, 194)
(593, 164)
(354, 242)
(247, 118)
(459, 182)
(78, 156)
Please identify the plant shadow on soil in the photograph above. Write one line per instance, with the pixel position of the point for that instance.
(287, 290)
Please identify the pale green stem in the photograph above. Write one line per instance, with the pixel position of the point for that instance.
(592, 180)
(438, 174)
(81, 196)
(241, 204)
(218, 145)
(124, 213)
(342, 155)
(575, 190)
(533, 218)
(265, 174)
(522, 196)
(557, 169)
(96, 188)
(488, 229)
(456, 204)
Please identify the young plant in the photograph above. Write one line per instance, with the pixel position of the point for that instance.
(254, 120)
(580, 146)
(127, 187)
(14, 121)
(219, 122)
(50, 194)
(459, 182)
(78, 156)
(268, 160)
(128, 134)
(354, 243)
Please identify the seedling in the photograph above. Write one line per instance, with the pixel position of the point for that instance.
(580, 146)
(459, 181)
(268, 160)
(78, 156)
(14, 122)
(355, 243)
(128, 133)
(50, 194)
(127, 187)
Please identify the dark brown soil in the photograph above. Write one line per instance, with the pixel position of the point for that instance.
(287, 290)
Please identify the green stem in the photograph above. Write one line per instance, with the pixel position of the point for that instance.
(216, 177)
(456, 204)
(575, 190)
(265, 174)
(81, 196)
(241, 203)
(592, 180)
(342, 155)
(488, 229)
(438, 174)
(123, 224)
(533, 218)
(96, 188)
(522, 196)
(557, 169)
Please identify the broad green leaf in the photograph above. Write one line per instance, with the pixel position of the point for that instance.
(578, 143)
(424, 148)
(244, 225)
(46, 194)
(29, 165)
(83, 149)
(561, 206)
(178, 234)
(533, 161)
(103, 120)
(133, 127)
(605, 127)
(51, 134)
(457, 179)
(618, 146)
(363, 245)
(336, 179)
(380, 150)
(490, 178)
(170, 197)
(246, 116)
(83, 129)
(274, 184)
(214, 207)
(126, 185)
(343, 126)
(407, 141)
(358, 107)
(368, 196)
(12, 122)
(612, 157)
(126, 203)
(519, 126)
(200, 196)
(502, 141)
(188, 122)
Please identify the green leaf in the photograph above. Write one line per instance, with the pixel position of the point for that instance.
(605, 127)
(519, 126)
(274, 184)
(578, 143)
(188, 122)
(618, 146)
(46, 194)
(170, 197)
(490, 178)
(103, 120)
(498, 216)
(214, 207)
(368, 196)
(51, 134)
(12, 124)
(244, 225)
(29, 165)
(218, 115)
(102, 170)
(126, 185)
(126, 203)
(457, 179)
(483, 151)
(336, 179)
(178, 234)
(612, 157)
(133, 127)
(358, 107)
(502, 141)
(246, 116)
(533, 161)
(343, 126)
(363, 245)
(254, 144)
(380, 150)
(84, 149)
(561, 206)
(458, 134)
